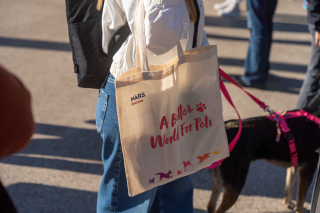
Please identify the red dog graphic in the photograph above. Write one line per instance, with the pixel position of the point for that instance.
(151, 181)
(204, 157)
(163, 175)
(187, 164)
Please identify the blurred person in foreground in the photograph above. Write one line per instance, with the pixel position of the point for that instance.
(259, 19)
(311, 84)
(16, 124)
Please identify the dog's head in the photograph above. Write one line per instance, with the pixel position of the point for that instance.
(314, 106)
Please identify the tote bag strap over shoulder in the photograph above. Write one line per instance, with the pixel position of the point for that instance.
(141, 50)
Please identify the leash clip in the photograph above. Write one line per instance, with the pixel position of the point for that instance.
(279, 132)
(271, 111)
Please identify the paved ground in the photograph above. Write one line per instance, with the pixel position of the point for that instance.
(61, 169)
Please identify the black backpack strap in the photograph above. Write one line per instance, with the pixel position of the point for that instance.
(114, 45)
(196, 25)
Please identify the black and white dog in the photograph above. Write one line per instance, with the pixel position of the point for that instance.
(257, 141)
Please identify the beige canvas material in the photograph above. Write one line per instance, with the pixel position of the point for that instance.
(170, 116)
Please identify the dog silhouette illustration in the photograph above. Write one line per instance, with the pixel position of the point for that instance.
(151, 181)
(187, 164)
(204, 157)
(163, 175)
(201, 107)
(179, 172)
(217, 152)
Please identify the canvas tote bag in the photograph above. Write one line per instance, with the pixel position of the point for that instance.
(170, 115)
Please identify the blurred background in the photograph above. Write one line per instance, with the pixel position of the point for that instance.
(60, 170)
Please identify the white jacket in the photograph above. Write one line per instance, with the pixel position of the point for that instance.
(166, 22)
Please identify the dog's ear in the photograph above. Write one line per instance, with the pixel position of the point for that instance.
(314, 106)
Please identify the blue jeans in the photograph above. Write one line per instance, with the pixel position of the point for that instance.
(259, 16)
(113, 196)
(311, 84)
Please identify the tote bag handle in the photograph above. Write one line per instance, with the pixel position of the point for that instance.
(140, 36)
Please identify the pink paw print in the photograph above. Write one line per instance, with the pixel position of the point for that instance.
(201, 107)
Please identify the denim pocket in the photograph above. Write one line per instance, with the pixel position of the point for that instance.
(101, 109)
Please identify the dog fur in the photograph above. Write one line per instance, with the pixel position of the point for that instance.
(257, 141)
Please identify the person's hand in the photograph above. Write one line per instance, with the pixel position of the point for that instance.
(16, 120)
(317, 38)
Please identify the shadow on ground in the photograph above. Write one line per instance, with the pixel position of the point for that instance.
(37, 198)
(70, 142)
(277, 83)
(234, 38)
(282, 23)
(274, 65)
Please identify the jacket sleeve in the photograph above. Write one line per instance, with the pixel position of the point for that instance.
(164, 25)
(16, 121)
(314, 13)
(113, 17)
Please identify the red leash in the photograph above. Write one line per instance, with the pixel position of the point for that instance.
(227, 96)
(278, 117)
(235, 140)
(231, 80)
(275, 116)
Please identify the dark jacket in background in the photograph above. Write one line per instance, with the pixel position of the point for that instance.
(314, 13)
